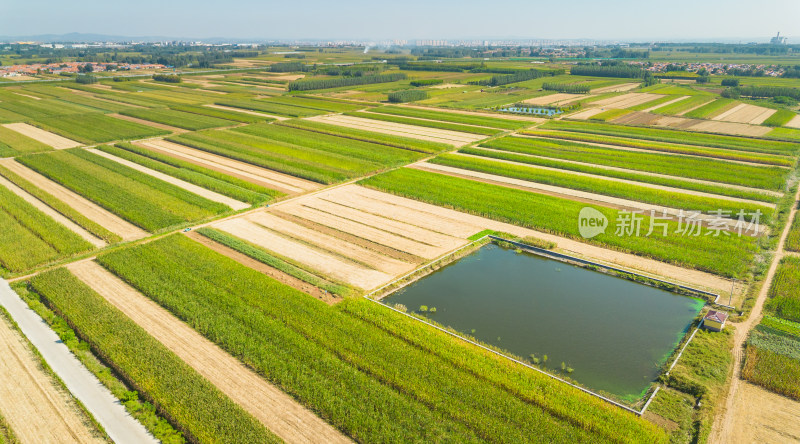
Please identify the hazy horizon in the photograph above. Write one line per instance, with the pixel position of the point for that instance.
(679, 20)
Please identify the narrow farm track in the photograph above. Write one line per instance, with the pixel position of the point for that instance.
(276, 410)
(46, 137)
(83, 385)
(722, 431)
(108, 220)
(35, 408)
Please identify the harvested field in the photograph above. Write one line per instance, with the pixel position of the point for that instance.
(669, 102)
(637, 118)
(46, 137)
(89, 209)
(242, 170)
(275, 409)
(732, 128)
(764, 416)
(148, 123)
(587, 113)
(55, 215)
(616, 88)
(746, 113)
(398, 129)
(627, 100)
(674, 122)
(36, 409)
(326, 263)
(210, 195)
(794, 123)
(553, 98)
(246, 111)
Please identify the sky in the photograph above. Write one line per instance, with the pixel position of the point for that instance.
(624, 20)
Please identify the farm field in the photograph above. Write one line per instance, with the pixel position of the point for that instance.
(455, 138)
(42, 137)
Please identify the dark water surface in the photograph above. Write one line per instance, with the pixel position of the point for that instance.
(614, 333)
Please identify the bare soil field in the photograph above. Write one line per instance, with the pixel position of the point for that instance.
(101, 99)
(732, 128)
(553, 98)
(55, 215)
(637, 118)
(275, 409)
(246, 111)
(506, 116)
(627, 100)
(242, 170)
(746, 113)
(675, 122)
(109, 221)
(192, 188)
(764, 417)
(585, 114)
(150, 123)
(669, 102)
(46, 137)
(36, 409)
(423, 213)
(616, 88)
(398, 129)
(794, 123)
(328, 264)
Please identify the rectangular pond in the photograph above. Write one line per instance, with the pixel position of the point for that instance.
(614, 333)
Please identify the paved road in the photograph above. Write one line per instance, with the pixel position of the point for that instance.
(98, 400)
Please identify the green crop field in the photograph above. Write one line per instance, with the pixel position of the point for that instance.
(607, 116)
(774, 371)
(96, 128)
(141, 199)
(426, 123)
(278, 109)
(599, 186)
(467, 119)
(29, 238)
(780, 118)
(784, 300)
(365, 385)
(676, 136)
(13, 144)
(177, 118)
(727, 256)
(224, 114)
(203, 412)
(655, 102)
(766, 177)
(793, 239)
(316, 103)
(683, 105)
(711, 109)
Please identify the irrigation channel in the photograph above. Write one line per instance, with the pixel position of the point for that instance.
(613, 336)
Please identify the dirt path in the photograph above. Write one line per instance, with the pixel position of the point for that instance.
(190, 187)
(631, 182)
(247, 111)
(274, 273)
(325, 263)
(645, 173)
(108, 220)
(33, 405)
(55, 215)
(642, 265)
(150, 123)
(46, 137)
(245, 171)
(275, 409)
(723, 429)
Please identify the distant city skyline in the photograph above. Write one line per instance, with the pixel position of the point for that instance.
(678, 20)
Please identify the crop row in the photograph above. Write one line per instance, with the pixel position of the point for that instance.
(765, 177)
(773, 371)
(177, 118)
(775, 340)
(466, 119)
(200, 410)
(717, 153)
(682, 105)
(677, 136)
(780, 117)
(406, 143)
(41, 109)
(270, 258)
(352, 149)
(793, 239)
(99, 105)
(364, 381)
(29, 238)
(271, 108)
(652, 103)
(221, 113)
(316, 104)
(143, 200)
(724, 255)
(221, 183)
(606, 187)
(96, 128)
(426, 123)
(784, 299)
(61, 207)
(13, 143)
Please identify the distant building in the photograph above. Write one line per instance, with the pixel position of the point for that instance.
(715, 320)
(778, 40)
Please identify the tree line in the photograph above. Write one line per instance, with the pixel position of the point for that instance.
(571, 88)
(306, 85)
(623, 71)
(408, 95)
